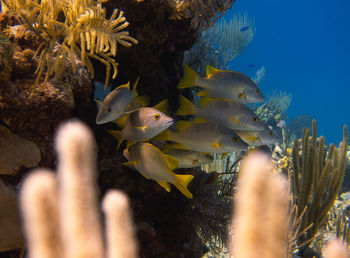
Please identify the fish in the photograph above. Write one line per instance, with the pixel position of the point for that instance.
(250, 65)
(258, 138)
(226, 112)
(222, 84)
(142, 124)
(115, 104)
(154, 164)
(202, 137)
(244, 28)
(190, 159)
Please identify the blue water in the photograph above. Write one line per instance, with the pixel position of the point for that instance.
(305, 48)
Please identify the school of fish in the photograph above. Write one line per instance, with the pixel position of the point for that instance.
(221, 123)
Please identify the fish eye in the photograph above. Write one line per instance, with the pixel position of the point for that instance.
(255, 119)
(108, 110)
(156, 116)
(257, 91)
(235, 139)
(271, 133)
(241, 96)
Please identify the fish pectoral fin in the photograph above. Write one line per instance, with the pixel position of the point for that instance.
(165, 185)
(216, 145)
(235, 120)
(143, 128)
(131, 164)
(116, 134)
(252, 138)
(182, 183)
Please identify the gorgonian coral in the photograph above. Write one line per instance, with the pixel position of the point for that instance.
(73, 28)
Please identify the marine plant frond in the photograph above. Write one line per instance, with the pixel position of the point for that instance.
(73, 28)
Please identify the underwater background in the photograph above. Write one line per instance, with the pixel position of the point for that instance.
(304, 47)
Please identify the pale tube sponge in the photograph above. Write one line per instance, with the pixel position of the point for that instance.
(61, 215)
(80, 218)
(118, 219)
(40, 214)
(260, 217)
(336, 249)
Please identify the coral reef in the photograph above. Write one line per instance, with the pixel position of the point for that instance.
(275, 107)
(316, 180)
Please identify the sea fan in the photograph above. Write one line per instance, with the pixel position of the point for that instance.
(73, 28)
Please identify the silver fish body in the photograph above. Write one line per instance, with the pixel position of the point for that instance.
(258, 138)
(115, 104)
(190, 159)
(206, 137)
(145, 123)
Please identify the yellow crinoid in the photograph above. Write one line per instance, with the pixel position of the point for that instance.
(70, 29)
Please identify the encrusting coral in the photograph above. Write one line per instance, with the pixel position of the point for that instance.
(61, 215)
(10, 225)
(16, 152)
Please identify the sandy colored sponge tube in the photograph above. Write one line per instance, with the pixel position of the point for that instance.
(61, 214)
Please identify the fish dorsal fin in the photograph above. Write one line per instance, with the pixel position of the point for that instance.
(186, 107)
(203, 101)
(165, 185)
(131, 164)
(135, 85)
(171, 161)
(202, 93)
(182, 125)
(162, 106)
(211, 70)
(98, 102)
(190, 78)
(144, 100)
(129, 143)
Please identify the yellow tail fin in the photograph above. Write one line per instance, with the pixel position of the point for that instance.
(182, 183)
(186, 107)
(190, 78)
